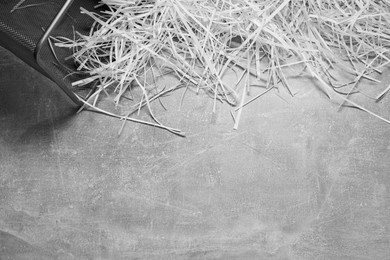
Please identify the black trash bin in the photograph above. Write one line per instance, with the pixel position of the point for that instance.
(25, 28)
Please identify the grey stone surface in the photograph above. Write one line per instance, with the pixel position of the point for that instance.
(299, 179)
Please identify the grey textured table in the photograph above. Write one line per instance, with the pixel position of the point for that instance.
(298, 180)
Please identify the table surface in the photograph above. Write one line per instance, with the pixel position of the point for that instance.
(299, 179)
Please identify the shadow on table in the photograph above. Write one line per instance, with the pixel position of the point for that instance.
(30, 105)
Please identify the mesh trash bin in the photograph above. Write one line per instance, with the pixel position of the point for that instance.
(25, 28)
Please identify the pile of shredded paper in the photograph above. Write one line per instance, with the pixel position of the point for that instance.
(135, 43)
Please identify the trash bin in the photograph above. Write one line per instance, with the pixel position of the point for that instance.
(26, 28)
